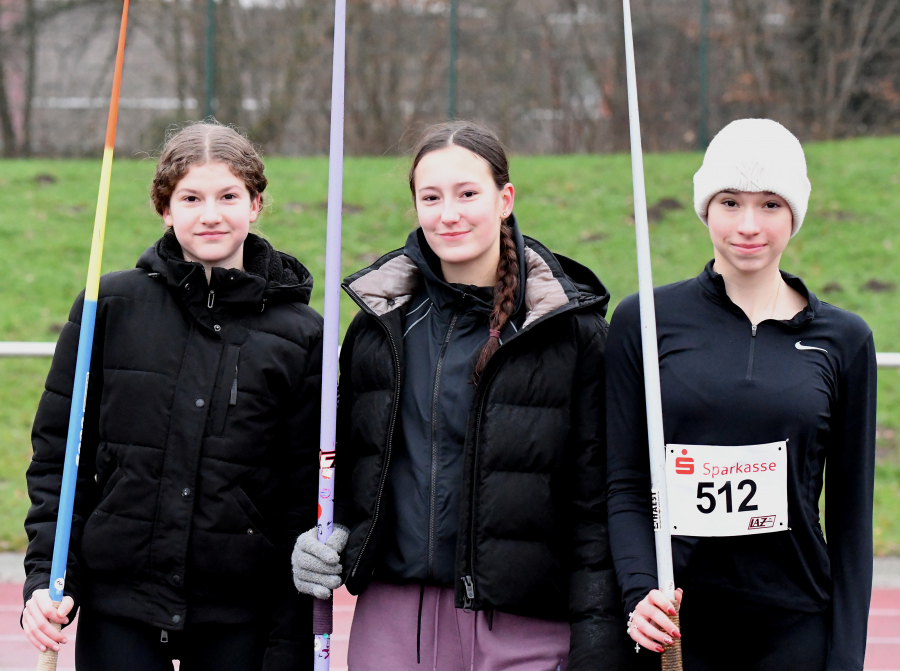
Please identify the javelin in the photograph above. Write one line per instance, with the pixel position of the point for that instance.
(322, 610)
(671, 656)
(47, 659)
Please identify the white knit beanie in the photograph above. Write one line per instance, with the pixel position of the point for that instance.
(754, 155)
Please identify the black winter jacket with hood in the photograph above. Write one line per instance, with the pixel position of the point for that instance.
(531, 531)
(198, 464)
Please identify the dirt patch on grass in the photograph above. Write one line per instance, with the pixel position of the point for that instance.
(887, 446)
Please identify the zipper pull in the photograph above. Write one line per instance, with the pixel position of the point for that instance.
(470, 591)
(753, 331)
(233, 399)
(163, 636)
(212, 299)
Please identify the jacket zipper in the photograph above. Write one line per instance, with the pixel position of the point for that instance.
(468, 579)
(226, 390)
(211, 299)
(470, 592)
(232, 400)
(387, 457)
(434, 409)
(752, 348)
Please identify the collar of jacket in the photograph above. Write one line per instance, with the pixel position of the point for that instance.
(714, 286)
(553, 283)
(269, 276)
(442, 293)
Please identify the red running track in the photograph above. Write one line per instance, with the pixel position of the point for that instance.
(17, 654)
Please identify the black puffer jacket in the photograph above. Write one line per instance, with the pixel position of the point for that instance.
(532, 534)
(199, 459)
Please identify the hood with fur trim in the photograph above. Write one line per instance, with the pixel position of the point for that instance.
(552, 282)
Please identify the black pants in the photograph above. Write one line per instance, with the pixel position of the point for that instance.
(106, 643)
(718, 636)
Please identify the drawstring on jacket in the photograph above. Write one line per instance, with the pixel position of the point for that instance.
(489, 616)
(437, 605)
(419, 626)
(474, 632)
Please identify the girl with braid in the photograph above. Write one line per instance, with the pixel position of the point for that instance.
(471, 436)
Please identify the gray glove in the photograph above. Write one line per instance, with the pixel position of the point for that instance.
(316, 566)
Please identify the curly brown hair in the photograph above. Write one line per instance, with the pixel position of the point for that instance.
(201, 143)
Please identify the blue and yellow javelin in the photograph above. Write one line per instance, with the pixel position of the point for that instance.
(85, 345)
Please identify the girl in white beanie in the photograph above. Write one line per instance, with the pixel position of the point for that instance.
(762, 384)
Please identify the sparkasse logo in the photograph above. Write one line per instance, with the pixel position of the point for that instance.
(684, 465)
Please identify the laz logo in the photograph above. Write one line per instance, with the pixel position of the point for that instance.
(766, 522)
(684, 465)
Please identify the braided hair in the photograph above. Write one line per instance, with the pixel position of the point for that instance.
(481, 142)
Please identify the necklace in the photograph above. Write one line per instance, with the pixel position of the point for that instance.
(775, 302)
(777, 291)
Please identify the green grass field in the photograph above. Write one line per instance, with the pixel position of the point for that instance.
(577, 205)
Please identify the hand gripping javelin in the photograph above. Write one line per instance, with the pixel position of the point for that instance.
(47, 659)
(671, 656)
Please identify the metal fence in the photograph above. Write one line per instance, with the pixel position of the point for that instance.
(46, 349)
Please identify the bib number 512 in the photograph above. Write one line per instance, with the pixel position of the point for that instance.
(708, 498)
(727, 490)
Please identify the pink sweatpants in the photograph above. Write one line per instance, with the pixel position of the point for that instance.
(385, 625)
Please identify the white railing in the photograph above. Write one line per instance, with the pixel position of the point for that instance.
(888, 359)
(46, 349)
(27, 349)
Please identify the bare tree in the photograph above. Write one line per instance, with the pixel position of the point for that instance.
(853, 35)
(7, 132)
(546, 74)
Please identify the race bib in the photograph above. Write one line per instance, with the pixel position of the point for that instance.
(716, 490)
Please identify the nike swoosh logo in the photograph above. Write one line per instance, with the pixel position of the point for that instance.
(801, 347)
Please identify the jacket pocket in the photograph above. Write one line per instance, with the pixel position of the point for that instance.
(110, 484)
(239, 553)
(115, 544)
(258, 522)
(226, 391)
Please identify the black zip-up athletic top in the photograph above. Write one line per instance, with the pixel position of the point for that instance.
(725, 382)
(446, 328)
